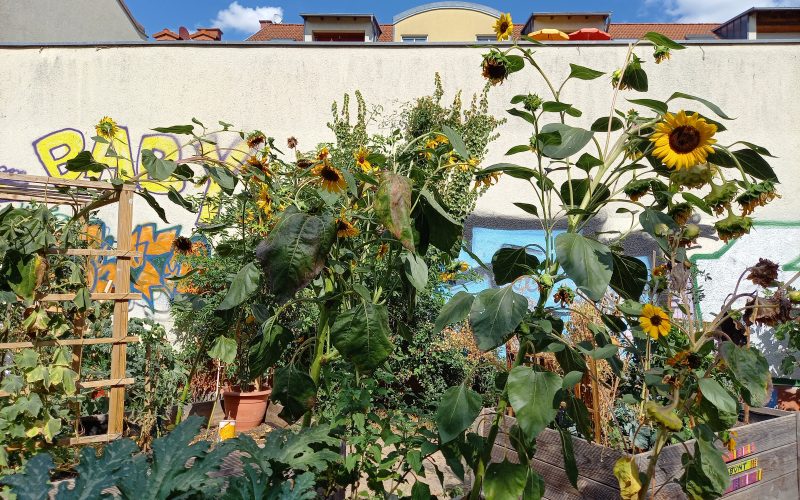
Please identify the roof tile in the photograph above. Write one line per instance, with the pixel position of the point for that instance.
(675, 31)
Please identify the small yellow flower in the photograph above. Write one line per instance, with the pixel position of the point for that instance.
(463, 267)
(447, 276)
(382, 251)
(486, 180)
(332, 179)
(504, 27)
(654, 321)
(345, 228)
(264, 201)
(361, 157)
(107, 128)
(683, 141)
(323, 153)
(441, 139)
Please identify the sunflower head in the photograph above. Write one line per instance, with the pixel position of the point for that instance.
(764, 273)
(382, 251)
(693, 177)
(183, 245)
(504, 27)
(332, 179)
(495, 67)
(486, 180)
(681, 213)
(654, 321)
(720, 197)
(322, 154)
(732, 227)
(291, 142)
(107, 128)
(564, 296)
(255, 139)
(660, 54)
(260, 164)
(362, 159)
(345, 228)
(756, 195)
(264, 201)
(636, 188)
(683, 141)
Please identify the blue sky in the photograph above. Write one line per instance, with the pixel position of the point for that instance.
(238, 19)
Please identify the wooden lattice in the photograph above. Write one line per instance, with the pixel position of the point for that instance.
(29, 188)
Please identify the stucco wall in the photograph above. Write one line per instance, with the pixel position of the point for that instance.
(66, 21)
(48, 109)
(446, 25)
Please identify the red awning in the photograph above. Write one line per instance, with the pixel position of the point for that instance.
(589, 34)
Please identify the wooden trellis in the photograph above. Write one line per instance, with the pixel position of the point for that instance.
(79, 193)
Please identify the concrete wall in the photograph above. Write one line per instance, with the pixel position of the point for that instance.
(446, 25)
(67, 21)
(48, 109)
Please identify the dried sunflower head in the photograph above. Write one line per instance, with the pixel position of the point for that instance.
(764, 273)
(732, 227)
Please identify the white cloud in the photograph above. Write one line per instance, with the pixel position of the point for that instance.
(246, 19)
(697, 11)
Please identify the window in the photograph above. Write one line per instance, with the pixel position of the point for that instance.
(338, 37)
(415, 38)
(486, 38)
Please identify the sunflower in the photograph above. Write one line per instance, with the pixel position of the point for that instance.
(291, 142)
(107, 128)
(264, 201)
(661, 54)
(332, 179)
(345, 228)
(756, 195)
(683, 141)
(504, 27)
(382, 251)
(495, 67)
(733, 227)
(259, 164)
(183, 245)
(255, 139)
(486, 180)
(361, 157)
(654, 321)
(323, 153)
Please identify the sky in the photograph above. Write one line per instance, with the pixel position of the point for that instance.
(239, 19)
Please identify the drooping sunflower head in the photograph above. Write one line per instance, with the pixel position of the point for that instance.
(183, 245)
(332, 179)
(756, 195)
(259, 163)
(654, 321)
(107, 128)
(345, 228)
(291, 142)
(732, 227)
(661, 54)
(693, 177)
(720, 197)
(564, 295)
(362, 159)
(504, 27)
(486, 180)
(255, 139)
(637, 188)
(681, 213)
(495, 67)
(683, 141)
(764, 273)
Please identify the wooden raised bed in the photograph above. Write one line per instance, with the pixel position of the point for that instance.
(768, 456)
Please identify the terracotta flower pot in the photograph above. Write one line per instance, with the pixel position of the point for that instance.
(247, 408)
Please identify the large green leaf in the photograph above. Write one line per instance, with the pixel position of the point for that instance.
(176, 129)
(445, 231)
(361, 335)
(705, 475)
(20, 273)
(755, 165)
(244, 284)
(505, 480)
(224, 349)
(97, 473)
(456, 141)
(416, 270)
(495, 314)
(458, 409)
(295, 390)
(583, 73)
(157, 208)
(717, 395)
(587, 262)
(570, 466)
(295, 251)
(266, 347)
(508, 264)
(532, 395)
(457, 309)
(710, 105)
(393, 207)
(629, 276)
(573, 139)
(659, 39)
(157, 168)
(85, 162)
(750, 370)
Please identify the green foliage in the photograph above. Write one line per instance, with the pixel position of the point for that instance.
(361, 335)
(457, 410)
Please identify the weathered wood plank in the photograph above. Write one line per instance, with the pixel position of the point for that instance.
(69, 342)
(780, 488)
(58, 181)
(558, 487)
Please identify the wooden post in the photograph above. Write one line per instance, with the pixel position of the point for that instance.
(122, 284)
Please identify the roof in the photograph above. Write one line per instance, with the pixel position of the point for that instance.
(278, 31)
(133, 20)
(675, 31)
(419, 9)
(602, 14)
(756, 10)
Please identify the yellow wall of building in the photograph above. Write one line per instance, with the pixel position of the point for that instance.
(446, 25)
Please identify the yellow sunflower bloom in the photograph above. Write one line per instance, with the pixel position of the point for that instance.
(654, 321)
(441, 139)
(264, 201)
(255, 139)
(345, 228)
(332, 179)
(361, 157)
(107, 128)
(683, 141)
(323, 153)
(486, 180)
(504, 27)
